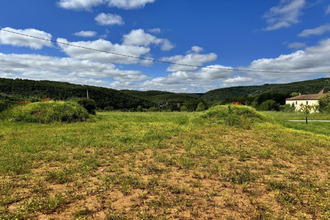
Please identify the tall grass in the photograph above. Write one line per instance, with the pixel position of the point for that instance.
(46, 112)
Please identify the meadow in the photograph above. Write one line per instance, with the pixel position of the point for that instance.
(164, 165)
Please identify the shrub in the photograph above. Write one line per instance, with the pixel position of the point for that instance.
(47, 112)
(269, 105)
(88, 104)
(287, 108)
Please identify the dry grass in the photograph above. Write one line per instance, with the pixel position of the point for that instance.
(160, 165)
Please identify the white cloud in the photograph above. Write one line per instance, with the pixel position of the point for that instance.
(196, 49)
(140, 38)
(63, 69)
(296, 66)
(155, 30)
(86, 34)
(284, 15)
(192, 60)
(297, 45)
(103, 45)
(25, 41)
(79, 4)
(109, 19)
(129, 4)
(89, 4)
(315, 31)
(328, 10)
(204, 79)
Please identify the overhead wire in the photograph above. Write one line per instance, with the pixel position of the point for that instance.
(155, 60)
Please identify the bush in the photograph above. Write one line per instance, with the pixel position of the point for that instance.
(287, 108)
(46, 112)
(234, 115)
(269, 105)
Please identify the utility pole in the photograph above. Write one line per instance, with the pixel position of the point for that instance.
(87, 94)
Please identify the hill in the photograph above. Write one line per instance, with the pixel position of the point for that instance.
(161, 97)
(305, 87)
(104, 97)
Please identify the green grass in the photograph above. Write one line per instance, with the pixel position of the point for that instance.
(160, 165)
(315, 127)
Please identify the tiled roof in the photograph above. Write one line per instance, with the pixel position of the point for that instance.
(323, 92)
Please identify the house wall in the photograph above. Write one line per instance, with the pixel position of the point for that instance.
(297, 103)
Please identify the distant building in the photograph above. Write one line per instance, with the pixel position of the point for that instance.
(310, 99)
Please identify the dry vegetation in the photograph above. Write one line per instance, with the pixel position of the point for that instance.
(164, 166)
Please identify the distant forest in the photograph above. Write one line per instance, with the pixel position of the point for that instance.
(110, 99)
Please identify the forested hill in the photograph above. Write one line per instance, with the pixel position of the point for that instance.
(161, 97)
(304, 87)
(103, 97)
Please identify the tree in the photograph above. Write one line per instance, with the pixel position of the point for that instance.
(269, 105)
(200, 107)
(324, 104)
(293, 94)
(306, 110)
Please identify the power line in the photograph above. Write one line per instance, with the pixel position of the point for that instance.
(155, 60)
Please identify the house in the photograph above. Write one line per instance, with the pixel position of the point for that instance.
(310, 99)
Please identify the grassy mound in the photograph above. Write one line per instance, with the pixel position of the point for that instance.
(47, 112)
(234, 115)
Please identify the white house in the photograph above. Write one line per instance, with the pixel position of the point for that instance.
(310, 99)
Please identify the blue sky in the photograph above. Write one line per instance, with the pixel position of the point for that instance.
(227, 43)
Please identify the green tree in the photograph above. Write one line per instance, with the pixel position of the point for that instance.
(269, 105)
(201, 107)
(324, 104)
(306, 110)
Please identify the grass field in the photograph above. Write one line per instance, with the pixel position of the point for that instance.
(163, 166)
(315, 127)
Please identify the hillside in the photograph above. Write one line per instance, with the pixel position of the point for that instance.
(160, 97)
(305, 87)
(104, 97)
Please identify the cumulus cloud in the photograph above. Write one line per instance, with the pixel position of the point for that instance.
(103, 45)
(89, 4)
(86, 34)
(296, 66)
(284, 15)
(63, 69)
(79, 4)
(109, 19)
(140, 38)
(24, 41)
(297, 45)
(192, 60)
(328, 10)
(315, 31)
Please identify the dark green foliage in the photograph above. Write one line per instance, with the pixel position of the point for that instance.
(46, 112)
(324, 104)
(192, 104)
(103, 97)
(305, 87)
(287, 108)
(167, 100)
(201, 107)
(269, 105)
(88, 104)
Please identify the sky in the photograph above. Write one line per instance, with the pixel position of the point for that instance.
(189, 46)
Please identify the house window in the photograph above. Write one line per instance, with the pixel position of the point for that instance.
(306, 102)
